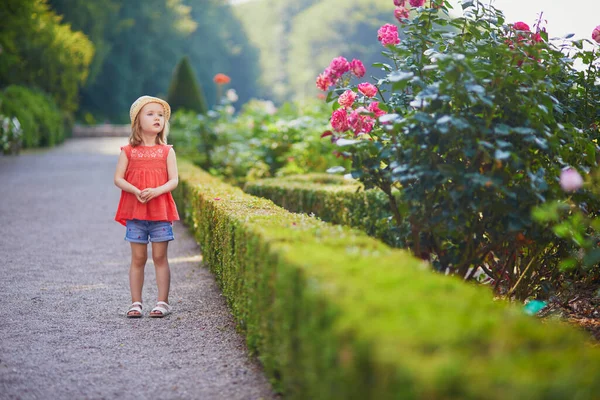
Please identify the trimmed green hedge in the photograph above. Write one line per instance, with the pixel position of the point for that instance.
(335, 314)
(333, 199)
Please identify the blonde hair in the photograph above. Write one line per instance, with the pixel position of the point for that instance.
(135, 139)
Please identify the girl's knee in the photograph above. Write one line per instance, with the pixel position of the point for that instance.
(160, 259)
(138, 260)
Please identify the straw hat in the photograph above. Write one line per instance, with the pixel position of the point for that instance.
(142, 101)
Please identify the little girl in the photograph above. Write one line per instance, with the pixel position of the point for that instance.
(147, 173)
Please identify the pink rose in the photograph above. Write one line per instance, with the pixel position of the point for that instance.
(367, 89)
(570, 180)
(399, 3)
(374, 108)
(324, 81)
(357, 68)
(388, 34)
(368, 124)
(360, 123)
(416, 3)
(347, 98)
(339, 120)
(401, 14)
(339, 66)
(521, 26)
(596, 34)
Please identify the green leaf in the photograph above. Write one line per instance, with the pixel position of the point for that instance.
(423, 117)
(383, 66)
(467, 4)
(542, 143)
(399, 76)
(329, 97)
(486, 144)
(475, 88)
(568, 264)
(502, 129)
(524, 130)
(443, 120)
(501, 154)
(562, 230)
(503, 143)
(545, 213)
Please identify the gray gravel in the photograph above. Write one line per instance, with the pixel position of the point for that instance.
(64, 284)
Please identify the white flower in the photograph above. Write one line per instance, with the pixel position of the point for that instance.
(570, 180)
(229, 110)
(231, 95)
(270, 107)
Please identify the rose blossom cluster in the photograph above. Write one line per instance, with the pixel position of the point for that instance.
(358, 120)
(521, 34)
(522, 31)
(337, 68)
(388, 34)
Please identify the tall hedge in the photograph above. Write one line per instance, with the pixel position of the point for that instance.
(185, 93)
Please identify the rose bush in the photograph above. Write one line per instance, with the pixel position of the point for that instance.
(474, 120)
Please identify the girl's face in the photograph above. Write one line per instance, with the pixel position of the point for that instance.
(152, 118)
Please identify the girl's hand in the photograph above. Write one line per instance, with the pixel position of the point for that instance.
(138, 196)
(149, 193)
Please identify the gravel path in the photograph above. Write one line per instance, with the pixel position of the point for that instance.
(64, 284)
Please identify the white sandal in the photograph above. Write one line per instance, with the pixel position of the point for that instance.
(135, 306)
(161, 307)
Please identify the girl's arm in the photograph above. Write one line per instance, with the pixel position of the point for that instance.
(150, 193)
(120, 177)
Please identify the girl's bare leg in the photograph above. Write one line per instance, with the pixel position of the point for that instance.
(139, 255)
(163, 272)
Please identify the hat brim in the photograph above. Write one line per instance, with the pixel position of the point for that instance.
(137, 106)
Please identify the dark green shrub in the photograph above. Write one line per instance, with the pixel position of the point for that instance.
(40, 118)
(185, 92)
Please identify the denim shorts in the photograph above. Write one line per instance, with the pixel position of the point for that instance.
(139, 231)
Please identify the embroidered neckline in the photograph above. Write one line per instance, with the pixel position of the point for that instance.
(147, 152)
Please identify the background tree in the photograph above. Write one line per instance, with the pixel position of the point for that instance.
(140, 50)
(41, 52)
(94, 18)
(220, 44)
(184, 91)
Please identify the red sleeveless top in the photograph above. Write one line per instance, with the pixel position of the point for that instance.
(147, 168)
